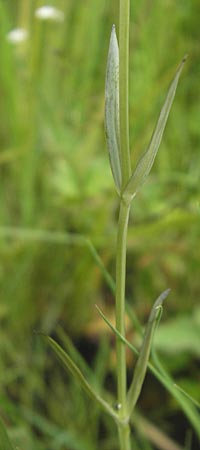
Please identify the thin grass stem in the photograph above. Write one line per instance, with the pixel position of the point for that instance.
(124, 17)
(123, 428)
(120, 302)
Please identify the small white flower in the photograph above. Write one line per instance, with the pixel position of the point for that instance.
(49, 13)
(17, 35)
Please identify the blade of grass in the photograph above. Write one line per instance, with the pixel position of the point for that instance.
(60, 238)
(124, 20)
(142, 362)
(195, 402)
(70, 348)
(164, 378)
(112, 109)
(147, 159)
(70, 366)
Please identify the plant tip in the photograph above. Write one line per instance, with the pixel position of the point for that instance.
(165, 294)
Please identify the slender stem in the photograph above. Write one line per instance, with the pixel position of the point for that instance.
(120, 304)
(124, 436)
(123, 428)
(123, 424)
(124, 14)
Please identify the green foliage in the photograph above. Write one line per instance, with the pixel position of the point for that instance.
(70, 366)
(146, 161)
(112, 109)
(55, 179)
(5, 442)
(142, 362)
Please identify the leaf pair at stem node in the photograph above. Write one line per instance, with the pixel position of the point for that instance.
(112, 120)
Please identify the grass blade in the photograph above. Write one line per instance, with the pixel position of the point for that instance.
(4, 439)
(147, 159)
(164, 378)
(123, 339)
(112, 109)
(142, 362)
(71, 367)
(193, 400)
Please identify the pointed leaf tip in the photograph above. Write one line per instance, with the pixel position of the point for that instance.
(157, 307)
(142, 362)
(112, 109)
(162, 297)
(146, 161)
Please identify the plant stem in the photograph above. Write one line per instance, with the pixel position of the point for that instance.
(124, 13)
(120, 315)
(123, 424)
(124, 436)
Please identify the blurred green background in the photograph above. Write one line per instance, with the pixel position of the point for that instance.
(56, 192)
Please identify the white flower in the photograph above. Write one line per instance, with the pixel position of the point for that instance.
(17, 35)
(49, 13)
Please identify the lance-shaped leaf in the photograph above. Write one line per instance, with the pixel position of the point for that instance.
(112, 109)
(123, 339)
(70, 366)
(164, 379)
(188, 396)
(142, 362)
(147, 159)
(5, 443)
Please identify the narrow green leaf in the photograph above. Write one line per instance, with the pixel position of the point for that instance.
(147, 159)
(164, 378)
(193, 400)
(167, 381)
(70, 366)
(112, 109)
(142, 362)
(123, 339)
(5, 443)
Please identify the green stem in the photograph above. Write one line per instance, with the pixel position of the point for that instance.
(120, 305)
(124, 14)
(123, 425)
(124, 436)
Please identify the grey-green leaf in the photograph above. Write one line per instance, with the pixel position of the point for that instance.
(70, 366)
(188, 396)
(4, 439)
(163, 377)
(142, 362)
(112, 109)
(147, 159)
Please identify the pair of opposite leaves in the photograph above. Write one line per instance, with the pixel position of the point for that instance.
(112, 126)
